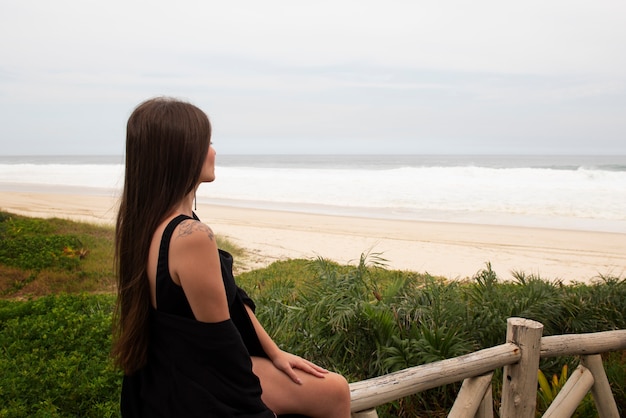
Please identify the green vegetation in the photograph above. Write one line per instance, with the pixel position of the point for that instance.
(44, 256)
(39, 257)
(56, 284)
(365, 321)
(54, 357)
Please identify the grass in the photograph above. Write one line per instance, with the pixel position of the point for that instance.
(39, 257)
(57, 296)
(45, 256)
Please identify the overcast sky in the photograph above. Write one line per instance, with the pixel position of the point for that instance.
(341, 76)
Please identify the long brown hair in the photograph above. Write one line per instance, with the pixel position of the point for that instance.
(166, 145)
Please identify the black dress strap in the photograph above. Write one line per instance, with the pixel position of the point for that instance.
(163, 267)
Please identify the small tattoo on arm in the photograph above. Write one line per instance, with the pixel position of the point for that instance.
(187, 227)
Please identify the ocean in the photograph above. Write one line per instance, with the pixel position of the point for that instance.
(562, 192)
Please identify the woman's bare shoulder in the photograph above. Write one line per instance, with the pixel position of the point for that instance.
(191, 229)
(194, 262)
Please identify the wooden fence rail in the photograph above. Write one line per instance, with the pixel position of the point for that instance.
(519, 357)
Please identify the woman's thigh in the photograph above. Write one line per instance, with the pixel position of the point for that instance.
(327, 396)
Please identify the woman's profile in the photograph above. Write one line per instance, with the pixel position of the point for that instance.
(186, 336)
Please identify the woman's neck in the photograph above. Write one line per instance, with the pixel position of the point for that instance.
(185, 207)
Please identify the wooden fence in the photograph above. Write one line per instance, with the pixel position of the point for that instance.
(519, 357)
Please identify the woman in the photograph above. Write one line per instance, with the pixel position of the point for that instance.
(186, 336)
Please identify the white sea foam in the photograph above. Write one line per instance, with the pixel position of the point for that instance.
(580, 193)
(97, 176)
(457, 190)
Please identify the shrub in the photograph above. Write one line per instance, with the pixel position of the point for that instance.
(365, 321)
(55, 357)
(30, 244)
(361, 320)
(39, 257)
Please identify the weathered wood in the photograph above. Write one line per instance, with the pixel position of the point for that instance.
(583, 344)
(519, 390)
(368, 394)
(470, 396)
(370, 413)
(376, 391)
(571, 394)
(485, 410)
(601, 389)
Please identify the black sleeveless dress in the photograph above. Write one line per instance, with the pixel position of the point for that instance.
(196, 369)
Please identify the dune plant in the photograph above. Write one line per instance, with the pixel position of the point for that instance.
(548, 389)
(55, 357)
(363, 320)
(360, 319)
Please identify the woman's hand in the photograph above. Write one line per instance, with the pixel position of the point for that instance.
(287, 363)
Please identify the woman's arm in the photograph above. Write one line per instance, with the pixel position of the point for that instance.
(195, 264)
(284, 361)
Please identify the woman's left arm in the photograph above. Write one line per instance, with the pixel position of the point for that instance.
(282, 360)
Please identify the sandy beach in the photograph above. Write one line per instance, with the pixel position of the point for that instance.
(452, 250)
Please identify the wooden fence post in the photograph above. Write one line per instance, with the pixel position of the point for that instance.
(570, 395)
(485, 410)
(601, 389)
(369, 413)
(470, 397)
(519, 389)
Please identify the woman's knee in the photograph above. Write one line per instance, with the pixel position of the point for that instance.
(336, 397)
(338, 389)
(315, 397)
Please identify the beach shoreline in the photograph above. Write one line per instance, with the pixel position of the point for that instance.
(451, 250)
